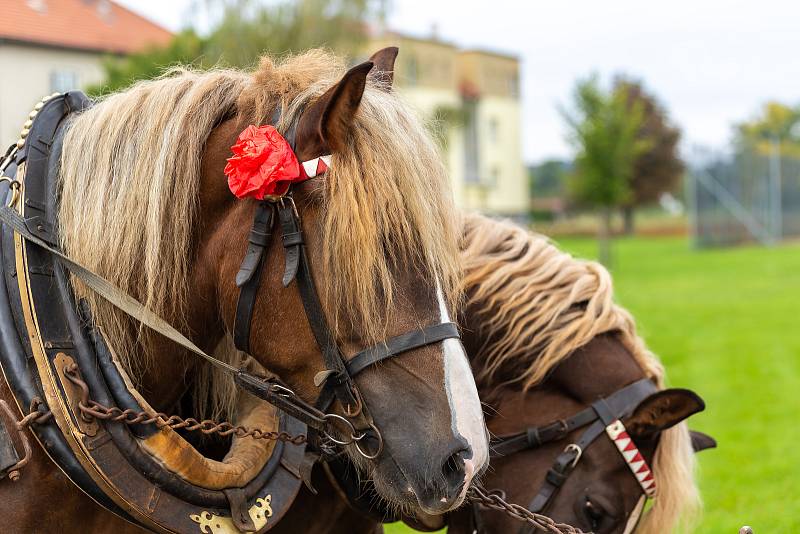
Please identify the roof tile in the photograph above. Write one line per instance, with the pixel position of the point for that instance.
(83, 24)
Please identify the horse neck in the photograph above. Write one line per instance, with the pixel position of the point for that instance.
(167, 378)
(172, 370)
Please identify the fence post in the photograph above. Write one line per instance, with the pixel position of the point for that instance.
(690, 183)
(775, 185)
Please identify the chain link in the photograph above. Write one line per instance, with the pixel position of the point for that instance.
(91, 409)
(540, 522)
(162, 420)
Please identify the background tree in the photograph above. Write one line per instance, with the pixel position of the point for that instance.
(603, 128)
(241, 31)
(775, 125)
(658, 169)
(547, 178)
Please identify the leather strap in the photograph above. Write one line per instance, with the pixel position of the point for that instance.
(402, 343)
(621, 402)
(249, 276)
(293, 244)
(535, 437)
(600, 414)
(392, 347)
(297, 268)
(563, 466)
(269, 391)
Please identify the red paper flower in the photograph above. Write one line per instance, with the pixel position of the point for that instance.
(263, 164)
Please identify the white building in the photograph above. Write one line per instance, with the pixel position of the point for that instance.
(58, 45)
(475, 96)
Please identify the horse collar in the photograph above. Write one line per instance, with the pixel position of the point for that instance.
(129, 470)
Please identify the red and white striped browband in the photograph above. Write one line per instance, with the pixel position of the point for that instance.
(315, 167)
(627, 448)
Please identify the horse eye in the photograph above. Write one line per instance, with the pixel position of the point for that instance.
(594, 513)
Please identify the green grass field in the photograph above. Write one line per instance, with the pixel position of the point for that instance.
(726, 323)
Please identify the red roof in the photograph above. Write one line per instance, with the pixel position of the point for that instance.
(99, 25)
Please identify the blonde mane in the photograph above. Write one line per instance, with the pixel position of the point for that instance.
(536, 305)
(130, 174)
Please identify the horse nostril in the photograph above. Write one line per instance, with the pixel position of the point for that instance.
(453, 469)
(446, 488)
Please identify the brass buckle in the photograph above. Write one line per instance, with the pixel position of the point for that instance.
(359, 403)
(15, 187)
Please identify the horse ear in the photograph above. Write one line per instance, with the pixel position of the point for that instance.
(662, 410)
(383, 74)
(701, 442)
(330, 118)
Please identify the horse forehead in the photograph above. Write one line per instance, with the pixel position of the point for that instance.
(515, 410)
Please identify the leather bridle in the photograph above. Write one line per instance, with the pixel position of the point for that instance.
(601, 417)
(337, 380)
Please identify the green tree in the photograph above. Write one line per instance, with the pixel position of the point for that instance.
(243, 31)
(776, 124)
(603, 127)
(186, 48)
(548, 178)
(658, 169)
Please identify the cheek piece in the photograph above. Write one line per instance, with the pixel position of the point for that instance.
(636, 515)
(602, 417)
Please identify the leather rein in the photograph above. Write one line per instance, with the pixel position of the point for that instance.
(602, 416)
(337, 381)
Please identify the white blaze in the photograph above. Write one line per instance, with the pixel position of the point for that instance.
(462, 395)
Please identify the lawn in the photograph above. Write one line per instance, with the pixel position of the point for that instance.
(726, 323)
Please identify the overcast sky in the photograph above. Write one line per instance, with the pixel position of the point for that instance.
(712, 62)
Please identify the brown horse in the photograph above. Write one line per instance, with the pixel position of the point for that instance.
(546, 341)
(145, 203)
(535, 313)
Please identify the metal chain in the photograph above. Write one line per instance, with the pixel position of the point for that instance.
(161, 420)
(91, 409)
(540, 522)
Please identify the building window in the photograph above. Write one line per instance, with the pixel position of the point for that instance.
(62, 81)
(494, 176)
(513, 85)
(471, 156)
(494, 130)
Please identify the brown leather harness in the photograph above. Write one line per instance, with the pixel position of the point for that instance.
(142, 490)
(337, 381)
(596, 418)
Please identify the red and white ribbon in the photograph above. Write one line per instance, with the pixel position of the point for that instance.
(636, 462)
(316, 166)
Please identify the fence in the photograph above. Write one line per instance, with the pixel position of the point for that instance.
(751, 195)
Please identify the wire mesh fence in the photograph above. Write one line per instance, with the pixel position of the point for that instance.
(752, 194)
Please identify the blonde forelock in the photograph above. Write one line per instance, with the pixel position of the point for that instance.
(129, 178)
